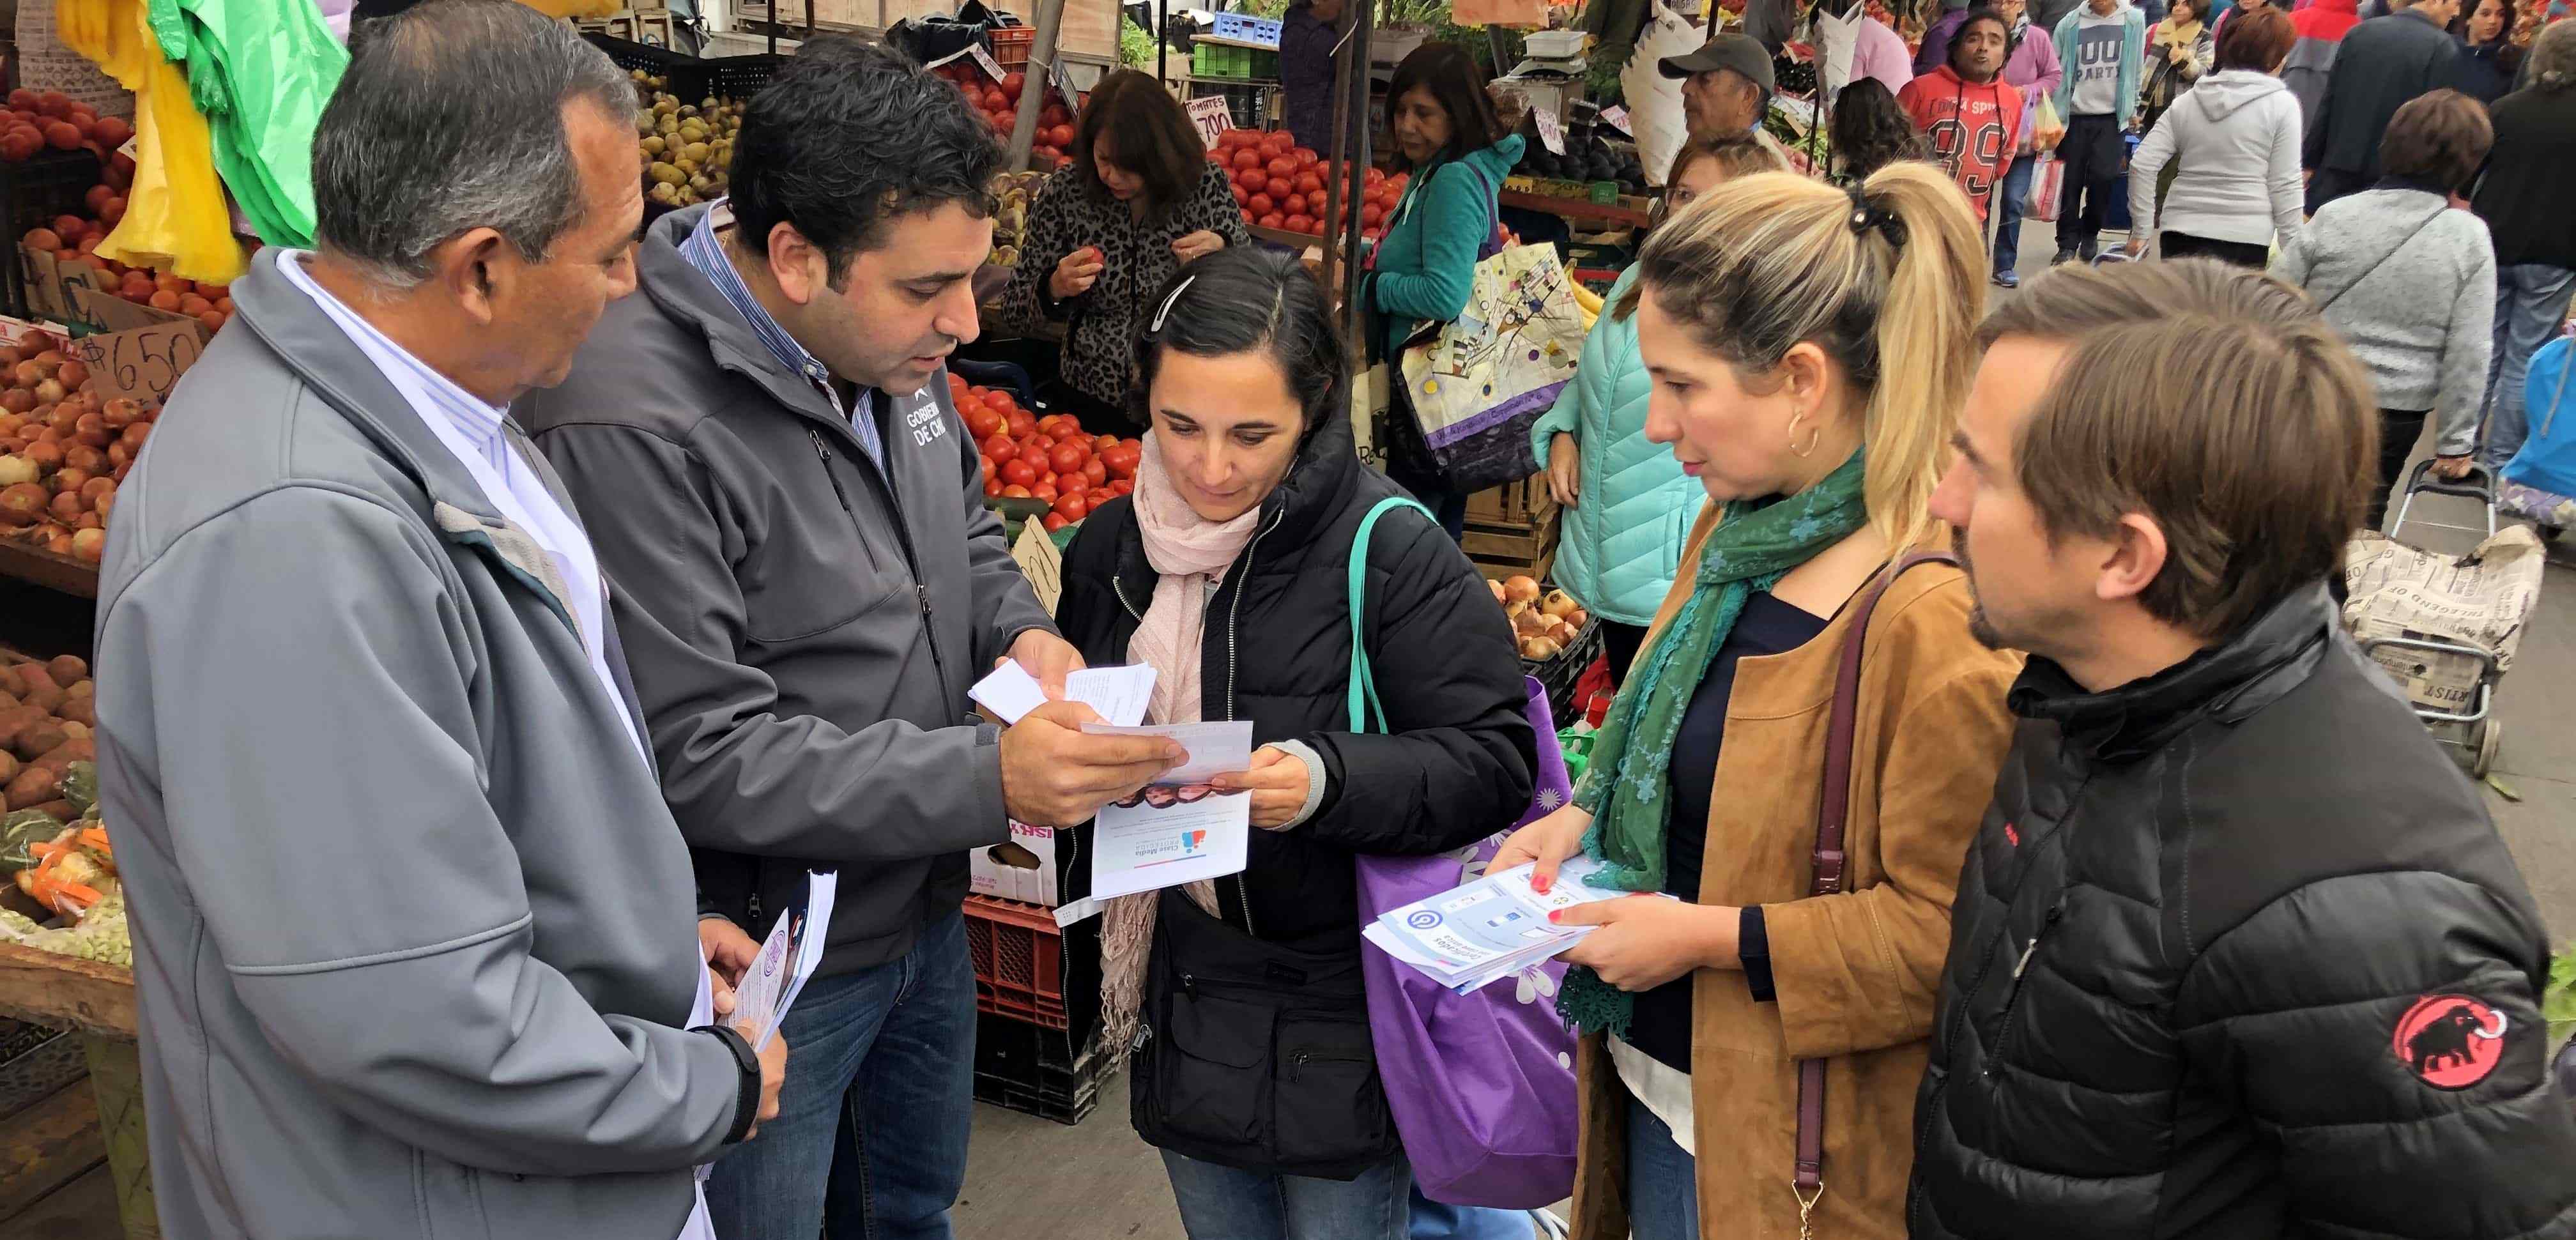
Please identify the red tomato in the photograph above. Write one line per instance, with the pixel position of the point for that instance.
(1054, 114)
(999, 447)
(1070, 432)
(1047, 423)
(1071, 507)
(1247, 159)
(1016, 492)
(1060, 135)
(992, 487)
(1094, 472)
(1053, 523)
(1017, 472)
(1261, 204)
(1252, 180)
(1124, 486)
(1013, 83)
(981, 421)
(1216, 155)
(1248, 216)
(1308, 183)
(1044, 491)
(1305, 157)
(1000, 402)
(1123, 459)
(1300, 224)
(1370, 214)
(1021, 421)
(1278, 187)
(1374, 177)
(1035, 458)
(1282, 166)
(1066, 459)
(1273, 220)
(1294, 204)
(1104, 443)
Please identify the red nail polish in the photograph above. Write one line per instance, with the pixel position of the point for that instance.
(1540, 886)
(1556, 914)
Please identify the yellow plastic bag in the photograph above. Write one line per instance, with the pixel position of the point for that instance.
(2046, 128)
(175, 214)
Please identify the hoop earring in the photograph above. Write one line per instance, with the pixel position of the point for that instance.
(1810, 449)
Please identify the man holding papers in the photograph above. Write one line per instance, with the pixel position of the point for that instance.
(762, 446)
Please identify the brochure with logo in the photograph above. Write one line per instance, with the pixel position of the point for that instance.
(786, 959)
(1180, 828)
(1489, 929)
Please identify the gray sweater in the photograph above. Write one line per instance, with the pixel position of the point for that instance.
(2411, 285)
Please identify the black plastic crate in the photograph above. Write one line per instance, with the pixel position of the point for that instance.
(1048, 1073)
(1559, 672)
(33, 193)
(693, 78)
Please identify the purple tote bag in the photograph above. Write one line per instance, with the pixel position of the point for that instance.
(1482, 1084)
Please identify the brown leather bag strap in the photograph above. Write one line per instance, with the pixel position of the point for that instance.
(1828, 858)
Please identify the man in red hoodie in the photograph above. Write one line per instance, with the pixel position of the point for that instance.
(1970, 114)
(2320, 27)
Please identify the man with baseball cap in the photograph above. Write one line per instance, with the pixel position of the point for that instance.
(1727, 85)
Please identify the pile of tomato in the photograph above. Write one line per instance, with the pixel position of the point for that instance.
(1044, 458)
(999, 104)
(1279, 184)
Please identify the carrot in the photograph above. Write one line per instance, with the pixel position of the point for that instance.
(43, 851)
(95, 837)
(78, 894)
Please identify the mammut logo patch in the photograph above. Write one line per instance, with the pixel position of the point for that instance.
(2450, 1041)
(2011, 836)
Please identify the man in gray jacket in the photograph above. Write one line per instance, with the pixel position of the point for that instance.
(764, 445)
(413, 942)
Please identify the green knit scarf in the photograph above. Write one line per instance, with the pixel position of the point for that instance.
(1624, 788)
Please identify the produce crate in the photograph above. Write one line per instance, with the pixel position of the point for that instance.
(1038, 1071)
(1220, 60)
(1011, 45)
(1511, 551)
(1247, 107)
(692, 78)
(36, 1060)
(1244, 28)
(1018, 952)
(33, 193)
(1558, 674)
(1523, 503)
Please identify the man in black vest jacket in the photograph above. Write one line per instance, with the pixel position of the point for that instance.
(2237, 952)
(2382, 63)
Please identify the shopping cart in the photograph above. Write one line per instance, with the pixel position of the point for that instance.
(2445, 627)
(2477, 484)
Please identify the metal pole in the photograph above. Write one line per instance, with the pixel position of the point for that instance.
(1334, 178)
(1033, 86)
(1355, 45)
(1162, 50)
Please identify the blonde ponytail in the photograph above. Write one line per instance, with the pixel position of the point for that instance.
(1890, 288)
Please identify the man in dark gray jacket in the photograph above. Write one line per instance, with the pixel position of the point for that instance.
(810, 582)
(413, 943)
(2381, 65)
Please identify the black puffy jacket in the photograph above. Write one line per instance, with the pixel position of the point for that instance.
(2238, 953)
(1280, 1075)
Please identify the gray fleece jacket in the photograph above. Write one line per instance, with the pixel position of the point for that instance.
(2411, 285)
(2235, 142)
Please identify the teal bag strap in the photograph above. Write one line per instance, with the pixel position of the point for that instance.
(1364, 703)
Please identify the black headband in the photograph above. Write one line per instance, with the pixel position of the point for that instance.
(1865, 216)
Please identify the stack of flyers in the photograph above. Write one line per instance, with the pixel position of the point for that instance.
(1489, 929)
(786, 959)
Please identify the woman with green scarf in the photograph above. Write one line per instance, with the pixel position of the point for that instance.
(1810, 348)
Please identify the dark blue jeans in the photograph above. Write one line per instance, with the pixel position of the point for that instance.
(2008, 213)
(1223, 1203)
(870, 1139)
(1663, 1181)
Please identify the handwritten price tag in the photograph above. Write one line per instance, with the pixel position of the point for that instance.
(985, 59)
(1209, 113)
(1063, 83)
(143, 364)
(1618, 118)
(1549, 132)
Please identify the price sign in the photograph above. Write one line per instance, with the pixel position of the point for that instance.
(1618, 118)
(1549, 132)
(143, 364)
(1062, 80)
(1209, 113)
(985, 59)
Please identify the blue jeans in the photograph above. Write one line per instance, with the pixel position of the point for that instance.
(1439, 1220)
(2008, 214)
(1663, 1181)
(870, 1139)
(2531, 301)
(1222, 1203)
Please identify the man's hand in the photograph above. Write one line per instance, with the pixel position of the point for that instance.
(1546, 843)
(1197, 245)
(2137, 245)
(773, 1074)
(1047, 657)
(2451, 468)
(1054, 775)
(1564, 469)
(1076, 272)
(728, 951)
(1645, 941)
(1278, 781)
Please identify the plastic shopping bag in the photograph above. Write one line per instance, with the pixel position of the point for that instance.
(2047, 188)
(2046, 127)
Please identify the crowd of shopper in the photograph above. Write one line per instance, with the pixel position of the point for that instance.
(613, 577)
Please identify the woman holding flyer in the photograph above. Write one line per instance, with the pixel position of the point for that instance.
(1227, 572)
(1811, 347)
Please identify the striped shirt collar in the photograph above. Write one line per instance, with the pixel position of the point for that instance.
(705, 253)
(479, 421)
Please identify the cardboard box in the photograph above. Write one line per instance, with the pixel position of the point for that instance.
(1026, 869)
(96, 305)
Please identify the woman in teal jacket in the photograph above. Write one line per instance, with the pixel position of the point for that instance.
(1628, 505)
(1458, 152)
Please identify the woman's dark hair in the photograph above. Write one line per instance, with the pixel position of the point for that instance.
(2258, 40)
(1457, 84)
(1243, 298)
(1870, 130)
(1138, 126)
(846, 139)
(2440, 138)
(2199, 9)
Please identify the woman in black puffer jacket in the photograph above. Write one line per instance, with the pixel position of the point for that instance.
(1228, 570)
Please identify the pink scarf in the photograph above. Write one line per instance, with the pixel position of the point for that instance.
(1190, 555)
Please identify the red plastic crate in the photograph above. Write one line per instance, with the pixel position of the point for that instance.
(1018, 952)
(1011, 45)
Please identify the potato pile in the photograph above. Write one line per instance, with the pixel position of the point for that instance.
(62, 453)
(1543, 623)
(685, 148)
(46, 713)
(1012, 190)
